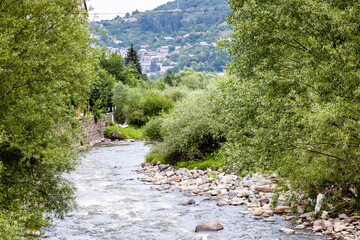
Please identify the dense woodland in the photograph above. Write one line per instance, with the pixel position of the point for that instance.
(286, 104)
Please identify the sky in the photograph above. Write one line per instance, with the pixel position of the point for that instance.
(119, 7)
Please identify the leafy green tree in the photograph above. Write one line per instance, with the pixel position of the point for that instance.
(191, 79)
(133, 58)
(101, 93)
(114, 64)
(169, 78)
(294, 105)
(46, 67)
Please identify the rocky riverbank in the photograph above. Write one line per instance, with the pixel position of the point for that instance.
(256, 192)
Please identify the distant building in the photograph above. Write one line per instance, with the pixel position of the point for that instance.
(169, 38)
(177, 48)
(203, 44)
(144, 46)
(163, 50)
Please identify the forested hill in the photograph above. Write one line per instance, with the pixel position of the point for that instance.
(190, 33)
(184, 5)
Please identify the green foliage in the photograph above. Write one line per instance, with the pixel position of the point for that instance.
(191, 79)
(133, 58)
(46, 67)
(98, 109)
(138, 105)
(101, 93)
(114, 65)
(154, 104)
(153, 130)
(294, 103)
(190, 131)
(176, 93)
(151, 157)
(210, 161)
(132, 132)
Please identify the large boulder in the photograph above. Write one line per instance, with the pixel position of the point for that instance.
(211, 225)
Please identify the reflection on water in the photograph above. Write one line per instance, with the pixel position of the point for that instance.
(114, 204)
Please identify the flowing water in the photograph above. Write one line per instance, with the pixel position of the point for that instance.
(114, 204)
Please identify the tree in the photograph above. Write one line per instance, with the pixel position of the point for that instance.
(294, 105)
(46, 67)
(114, 64)
(132, 57)
(169, 78)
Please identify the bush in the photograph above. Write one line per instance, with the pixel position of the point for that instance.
(191, 130)
(154, 104)
(137, 105)
(176, 93)
(153, 130)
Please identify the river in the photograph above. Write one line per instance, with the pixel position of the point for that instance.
(114, 204)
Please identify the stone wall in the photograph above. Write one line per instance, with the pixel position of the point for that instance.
(94, 130)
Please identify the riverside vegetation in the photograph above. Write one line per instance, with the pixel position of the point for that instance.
(288, 104)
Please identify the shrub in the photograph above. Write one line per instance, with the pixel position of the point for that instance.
(190, 131)
(176, 93)
(154, 104)
(153, 130)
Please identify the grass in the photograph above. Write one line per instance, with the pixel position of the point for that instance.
(209, 162)
(132, 132)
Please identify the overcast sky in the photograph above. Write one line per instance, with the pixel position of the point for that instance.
(120, 6)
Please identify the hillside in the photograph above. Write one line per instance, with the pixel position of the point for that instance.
(184, 37)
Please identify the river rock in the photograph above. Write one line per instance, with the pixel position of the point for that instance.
(264, 201)
(176, 179)
(325, 215)
(281, 209)
(163, 167)
(232, 194)
(211, 225)
(301, 209)
(300, 227)
(339, 226)
(287, 230)
(265, 188)
(258, 212)
(307, 215)
(319, 225)
(343, 216)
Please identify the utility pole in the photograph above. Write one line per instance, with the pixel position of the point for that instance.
(178, 4)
